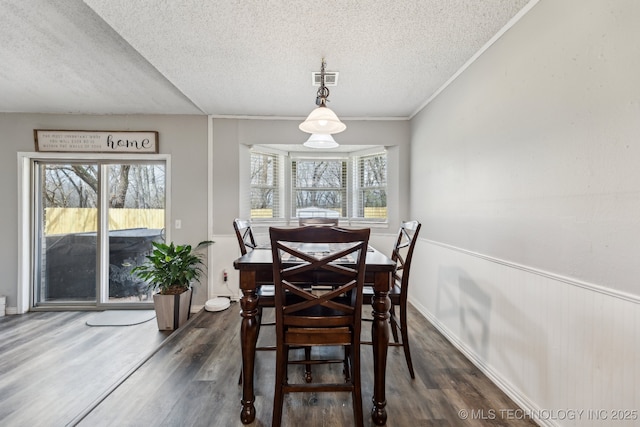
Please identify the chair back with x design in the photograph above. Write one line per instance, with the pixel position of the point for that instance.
(403, 251)
(323, 269)
(244, 233)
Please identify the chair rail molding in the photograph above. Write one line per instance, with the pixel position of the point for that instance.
(554, 276)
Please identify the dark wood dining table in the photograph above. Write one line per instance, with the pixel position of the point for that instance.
(257, 267)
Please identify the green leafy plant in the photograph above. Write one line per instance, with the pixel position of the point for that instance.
(171, 268)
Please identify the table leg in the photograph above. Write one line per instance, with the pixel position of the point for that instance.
(248, 338)
(380, 337)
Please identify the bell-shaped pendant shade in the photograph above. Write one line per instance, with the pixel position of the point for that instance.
(318, 140)
(323, 121)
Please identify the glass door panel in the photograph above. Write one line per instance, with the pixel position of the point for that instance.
(136, 217)
(93, 223)
(66, 231)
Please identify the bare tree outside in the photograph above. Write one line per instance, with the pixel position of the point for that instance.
(264, 169)
(320, 184)
(130, 186)
(70, 185)
(373, 182)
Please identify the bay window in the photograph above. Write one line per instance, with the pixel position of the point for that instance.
(286, 185)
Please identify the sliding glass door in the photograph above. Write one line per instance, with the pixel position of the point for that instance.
(94, 221)
(66, 200)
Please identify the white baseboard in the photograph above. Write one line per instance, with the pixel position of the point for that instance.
(521, 400)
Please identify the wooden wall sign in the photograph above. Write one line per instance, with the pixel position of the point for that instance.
(90, 141)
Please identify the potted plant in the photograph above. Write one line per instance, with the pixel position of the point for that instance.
(170, 270)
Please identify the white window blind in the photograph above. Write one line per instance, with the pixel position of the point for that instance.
(265, 185)
(371, 186)
(319, 187)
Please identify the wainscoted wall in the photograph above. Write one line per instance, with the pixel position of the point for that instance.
(551, 343)
(221, 257)
(524, 173)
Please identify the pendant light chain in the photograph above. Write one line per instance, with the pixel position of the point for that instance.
(322, 120)
(323, 91)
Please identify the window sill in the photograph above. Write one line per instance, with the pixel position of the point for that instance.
(276, 222)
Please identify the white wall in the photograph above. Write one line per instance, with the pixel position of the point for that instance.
(529, 192)
(183, 137)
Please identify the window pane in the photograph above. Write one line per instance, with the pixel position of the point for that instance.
(311, 203)
(373, 181)
(374, 203)
(262, 203)
(264, 185)
(262, 169)
(68, 225)
(319, 173)
(136, 218)
(374, 171)
(319, 188)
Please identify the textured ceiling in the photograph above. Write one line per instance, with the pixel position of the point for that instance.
(237, 57)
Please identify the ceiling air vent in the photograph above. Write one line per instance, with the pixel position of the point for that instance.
(330, 78)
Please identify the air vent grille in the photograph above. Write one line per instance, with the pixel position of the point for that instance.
(330, 78)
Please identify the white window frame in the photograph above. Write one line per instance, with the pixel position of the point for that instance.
(26, 222)
(359, 188)
(281, 195)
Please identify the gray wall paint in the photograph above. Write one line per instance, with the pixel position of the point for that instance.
(531, 155)
(184, 137)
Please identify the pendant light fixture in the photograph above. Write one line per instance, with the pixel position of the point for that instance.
(320, 140)
(322, 120)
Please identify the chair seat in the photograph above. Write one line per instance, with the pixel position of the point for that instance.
(267, 290)
(318, 336)
(267, 295)
(367, 293)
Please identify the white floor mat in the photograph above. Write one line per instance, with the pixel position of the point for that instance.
(121, 317)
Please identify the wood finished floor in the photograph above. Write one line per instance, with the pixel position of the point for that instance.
(56, 371)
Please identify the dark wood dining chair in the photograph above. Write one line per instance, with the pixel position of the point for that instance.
(331, 317)
(318, 222)
(247, 242)
(244, 233)
(402, 254)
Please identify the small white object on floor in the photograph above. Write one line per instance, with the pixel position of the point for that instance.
(217, 304)
(120, 317)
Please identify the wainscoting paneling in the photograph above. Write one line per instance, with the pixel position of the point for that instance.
(566, 351)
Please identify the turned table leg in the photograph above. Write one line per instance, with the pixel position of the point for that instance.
(380, 337)
(248, 338)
